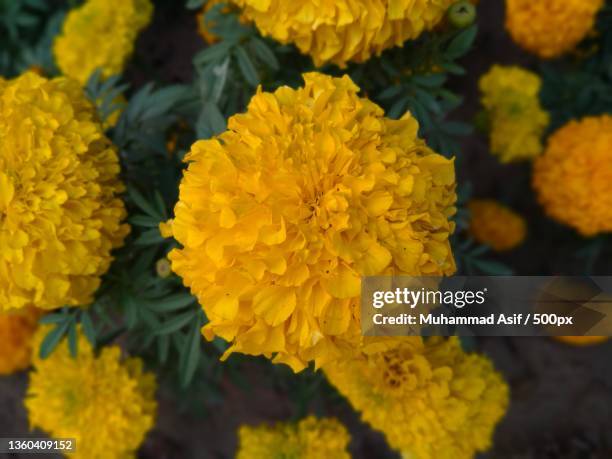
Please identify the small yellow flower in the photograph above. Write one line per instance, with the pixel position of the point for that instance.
(510, 97)
(573, 178)
(281, 215)
(100, 34)
(429, 398)
(105, 403)
(16, 331)
(495, 225)
(311, 438)
(340, 31)
(60, 214)
(550, 28)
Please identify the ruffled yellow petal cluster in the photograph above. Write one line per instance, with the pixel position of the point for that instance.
(510, 97)
(430, 399)
(16, 331)
(550, 28)
(339, 31)
(105, 403)
(495, 225)
(281, 215)
(311, 438)
(100, 34)
(573, 178)
(60, 214)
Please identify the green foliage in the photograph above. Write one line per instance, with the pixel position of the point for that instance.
(27, 28)
(582, 84)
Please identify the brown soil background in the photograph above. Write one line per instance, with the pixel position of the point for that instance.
(561, 396)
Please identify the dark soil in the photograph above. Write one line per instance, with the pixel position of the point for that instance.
(561, 395)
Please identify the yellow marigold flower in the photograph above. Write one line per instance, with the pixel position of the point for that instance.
(430, 399)
(105, 403)
(100, 34)
(573, 178)
(311, 438)
(510, 97)
(339, 31)
(281, 215)
(16, 331)
(550, 28)
(60, 215)
(495, 225)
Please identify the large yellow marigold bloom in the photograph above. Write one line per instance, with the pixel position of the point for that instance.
(59, 211)
(100, 34)
(550, 28)
(311, 438)
(430, 399)
(510, 97)
(495, 225)
(107, 404)
(281, 215)
(16, 331)
(573, 179)
(339, 31)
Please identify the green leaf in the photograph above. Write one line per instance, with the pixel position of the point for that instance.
(150, 237)
(88, 328)
(462, 43)
(263, 51)
(143, 204)
(54, 318)
(144, 221)
(190, 358)
(52, 339)
(172, 302)
(163, 346)
(176, 323)
(72, 339)
(433, 80)
(246, 66)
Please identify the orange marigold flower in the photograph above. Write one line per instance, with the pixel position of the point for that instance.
(582, 340)
(550, 28)
(17, 329)
(573, 178)
(495, 225)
